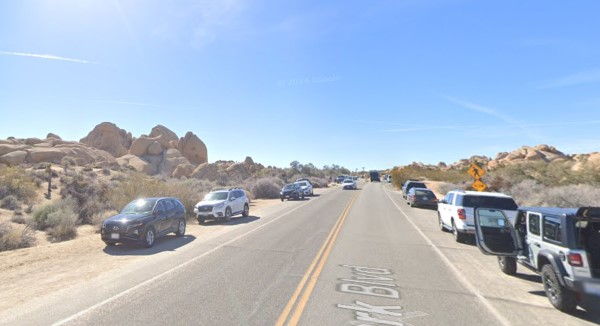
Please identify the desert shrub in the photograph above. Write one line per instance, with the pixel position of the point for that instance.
(62, 223)
(15, 237)
(89, 194)
(533, 193)
(106, 171)
(10, 202)
(88, 168)
(19, 219)
(14, 181)
(266, 188)
(135, 185)
(40, 215)
(401, 174)
(189, 191)
(445, 187)
(319, 182)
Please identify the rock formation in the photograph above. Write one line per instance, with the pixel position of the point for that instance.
(108, 137)
(192, 148)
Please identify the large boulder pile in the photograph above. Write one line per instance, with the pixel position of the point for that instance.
(108, 137)
(539, 153)
(52, 150)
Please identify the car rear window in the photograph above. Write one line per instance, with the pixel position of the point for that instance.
(423, 193)
(490, 202)
(416, 185)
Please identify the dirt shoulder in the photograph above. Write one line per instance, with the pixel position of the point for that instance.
(38, 271)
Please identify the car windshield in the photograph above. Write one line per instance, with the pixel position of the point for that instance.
(289, 187)
(303, 184)
(348, 181)
(490, 202)
(139, 206)
(222, 195)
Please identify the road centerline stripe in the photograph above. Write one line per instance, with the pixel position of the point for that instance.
(312, 273)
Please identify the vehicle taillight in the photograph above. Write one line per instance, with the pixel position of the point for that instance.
(575, 260)
(461, 214)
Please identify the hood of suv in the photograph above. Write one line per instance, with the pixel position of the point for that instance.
(210, 202)
(126, 218)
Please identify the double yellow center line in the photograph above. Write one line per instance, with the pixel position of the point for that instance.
(307, 284)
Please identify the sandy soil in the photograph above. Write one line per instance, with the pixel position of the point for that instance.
(33, 272)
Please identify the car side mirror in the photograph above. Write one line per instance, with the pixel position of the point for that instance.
(442, 201)
(232, 198)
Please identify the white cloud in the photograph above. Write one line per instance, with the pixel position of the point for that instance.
(585, 77)
(46, 56)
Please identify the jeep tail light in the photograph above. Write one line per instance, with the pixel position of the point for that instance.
(575, 260)
(461, 214)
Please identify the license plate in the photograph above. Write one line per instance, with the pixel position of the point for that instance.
(114, 236)
(592, 288)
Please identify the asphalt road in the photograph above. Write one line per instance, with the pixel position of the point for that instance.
(358, 257)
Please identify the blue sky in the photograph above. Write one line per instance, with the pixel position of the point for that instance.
(370, 84)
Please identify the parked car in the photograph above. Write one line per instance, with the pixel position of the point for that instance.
(561, 244)
(306, 186)
(222, 204)
(421, 197)
(144, 220)
(455, 211)
(340, 178)
(349, 184)
(411, 184)
(291, 191)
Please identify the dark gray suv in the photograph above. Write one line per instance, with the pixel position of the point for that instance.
(561, 244)
(143, 220)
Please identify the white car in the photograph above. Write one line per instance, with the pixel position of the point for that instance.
(349, 184)
(306, 187)
(456, 210)
(222, 204)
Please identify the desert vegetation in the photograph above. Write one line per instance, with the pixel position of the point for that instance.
(87, 195)
(531, 183)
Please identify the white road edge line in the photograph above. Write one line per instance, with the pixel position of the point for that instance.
(147, 282)
(461, 278)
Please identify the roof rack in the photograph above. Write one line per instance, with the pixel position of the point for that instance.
(225, 188)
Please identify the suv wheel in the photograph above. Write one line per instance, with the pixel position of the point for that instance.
(458, 236)
(508, 265)
(180, 228)
(228, 214)
(201, 219)
(561, 298)
(246, 210)
(149, 237)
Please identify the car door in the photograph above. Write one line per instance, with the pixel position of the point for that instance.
(172, 219)
(238, 202)
(445, 209)
(534, 239)
(495, 234)
(160, 217)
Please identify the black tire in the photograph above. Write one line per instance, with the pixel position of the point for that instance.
(508, 265)
(312, 193)
(281, 198)
(180, 228)
(560, 297)
(110, 244)
(458, 236)
(149, 237)
(227, 214)
(246, 210)
(201, 219)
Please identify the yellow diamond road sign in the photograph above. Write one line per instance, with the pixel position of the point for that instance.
(476, 171)
(478, 185)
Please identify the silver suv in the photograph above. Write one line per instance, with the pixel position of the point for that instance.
(561, 244)
(455, 211)
(222, 204)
